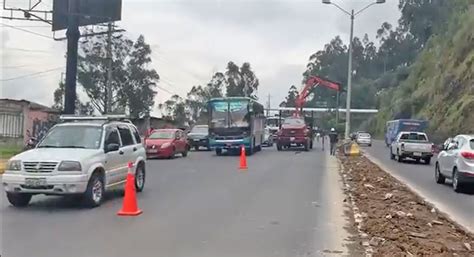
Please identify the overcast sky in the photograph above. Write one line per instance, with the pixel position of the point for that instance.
(192, 39)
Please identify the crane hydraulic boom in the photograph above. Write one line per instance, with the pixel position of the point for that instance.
(311, 83)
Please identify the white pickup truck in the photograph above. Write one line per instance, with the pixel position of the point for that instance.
(413, 145)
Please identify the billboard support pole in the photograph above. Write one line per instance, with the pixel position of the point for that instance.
(108, 86)
(72, 35)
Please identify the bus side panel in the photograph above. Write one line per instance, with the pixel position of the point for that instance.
(258, 130)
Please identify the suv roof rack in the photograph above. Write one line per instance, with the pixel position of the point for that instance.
(118, 117)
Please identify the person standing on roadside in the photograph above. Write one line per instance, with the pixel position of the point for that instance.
(333, 138)
(323, 135)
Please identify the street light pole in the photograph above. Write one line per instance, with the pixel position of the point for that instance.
(349, 80)
(349, 68)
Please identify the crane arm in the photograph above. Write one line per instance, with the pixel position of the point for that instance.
(311, 83)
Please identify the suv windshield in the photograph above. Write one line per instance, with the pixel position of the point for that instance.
(200, 130)
(73, 137)
(162, 135)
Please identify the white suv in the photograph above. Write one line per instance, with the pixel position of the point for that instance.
(84, 155)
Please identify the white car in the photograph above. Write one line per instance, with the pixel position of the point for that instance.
(456, 162)
(413, 145)
(364, 138)
(85, 156)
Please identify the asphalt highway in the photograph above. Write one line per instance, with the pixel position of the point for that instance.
(287, 203)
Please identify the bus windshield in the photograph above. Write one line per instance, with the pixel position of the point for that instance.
(225, 114)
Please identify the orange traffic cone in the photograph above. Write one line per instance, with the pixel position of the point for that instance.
(130, 207)
(243, 159)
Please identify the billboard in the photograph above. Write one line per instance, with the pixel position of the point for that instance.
(90, 12)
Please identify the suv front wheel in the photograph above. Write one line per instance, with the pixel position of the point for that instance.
(140, 178)
(95, 191)
(18, 199)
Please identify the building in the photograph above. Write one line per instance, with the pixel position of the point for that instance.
(22, 119)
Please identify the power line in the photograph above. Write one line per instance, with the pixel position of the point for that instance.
(32, 74)
(27, 31)
(27, 50)
(32, 26)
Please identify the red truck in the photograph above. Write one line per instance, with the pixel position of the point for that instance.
(294, 133)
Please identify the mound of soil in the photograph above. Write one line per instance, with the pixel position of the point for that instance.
(394, 221)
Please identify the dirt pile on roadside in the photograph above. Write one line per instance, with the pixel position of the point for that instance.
(394, 221)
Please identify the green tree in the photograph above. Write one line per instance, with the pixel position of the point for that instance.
(133, 82)
(175, 109)
(290, 99)
(139, 89)
(198, 97)
(241, 81)
(81, 108)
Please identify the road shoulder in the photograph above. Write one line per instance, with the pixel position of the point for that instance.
(394, 219)
(468, 225)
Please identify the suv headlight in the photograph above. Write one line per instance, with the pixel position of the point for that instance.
(14, 165)
(70, 166)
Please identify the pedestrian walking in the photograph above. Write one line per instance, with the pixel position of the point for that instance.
(333, 138)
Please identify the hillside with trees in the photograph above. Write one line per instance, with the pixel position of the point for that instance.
(421, 68)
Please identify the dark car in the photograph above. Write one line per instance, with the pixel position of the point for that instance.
(199, 137)
(294, 133)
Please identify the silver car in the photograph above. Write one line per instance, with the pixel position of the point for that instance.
(456, 162)
(364, 138)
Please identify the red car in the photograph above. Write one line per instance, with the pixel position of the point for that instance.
(294, 133)
(166, 143)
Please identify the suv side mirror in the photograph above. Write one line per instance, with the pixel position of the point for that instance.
(452, 146)
(112, 147)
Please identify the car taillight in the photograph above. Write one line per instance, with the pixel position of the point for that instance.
(468, 155)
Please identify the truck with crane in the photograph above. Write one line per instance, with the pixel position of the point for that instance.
(294, 131)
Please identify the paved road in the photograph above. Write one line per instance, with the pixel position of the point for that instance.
(460, 206)
(286, 204)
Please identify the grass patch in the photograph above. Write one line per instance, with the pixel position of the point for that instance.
(9, 151)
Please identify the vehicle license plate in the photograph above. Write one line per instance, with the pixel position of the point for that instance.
(292, 138)
(417, 154)
(35, 182)
(153, 151)
(293, 144)
(196, 140)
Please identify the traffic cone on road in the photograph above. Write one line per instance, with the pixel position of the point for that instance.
(243, 159)
(130, 206)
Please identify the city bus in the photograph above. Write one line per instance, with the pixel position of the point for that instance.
(235, 122)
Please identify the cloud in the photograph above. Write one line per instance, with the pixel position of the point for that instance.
(192, 39)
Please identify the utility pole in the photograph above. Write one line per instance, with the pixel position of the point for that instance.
(268, 105)
(349, 81)
(72, 35)
(108, 86)
(337, 107)
(352, 14)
